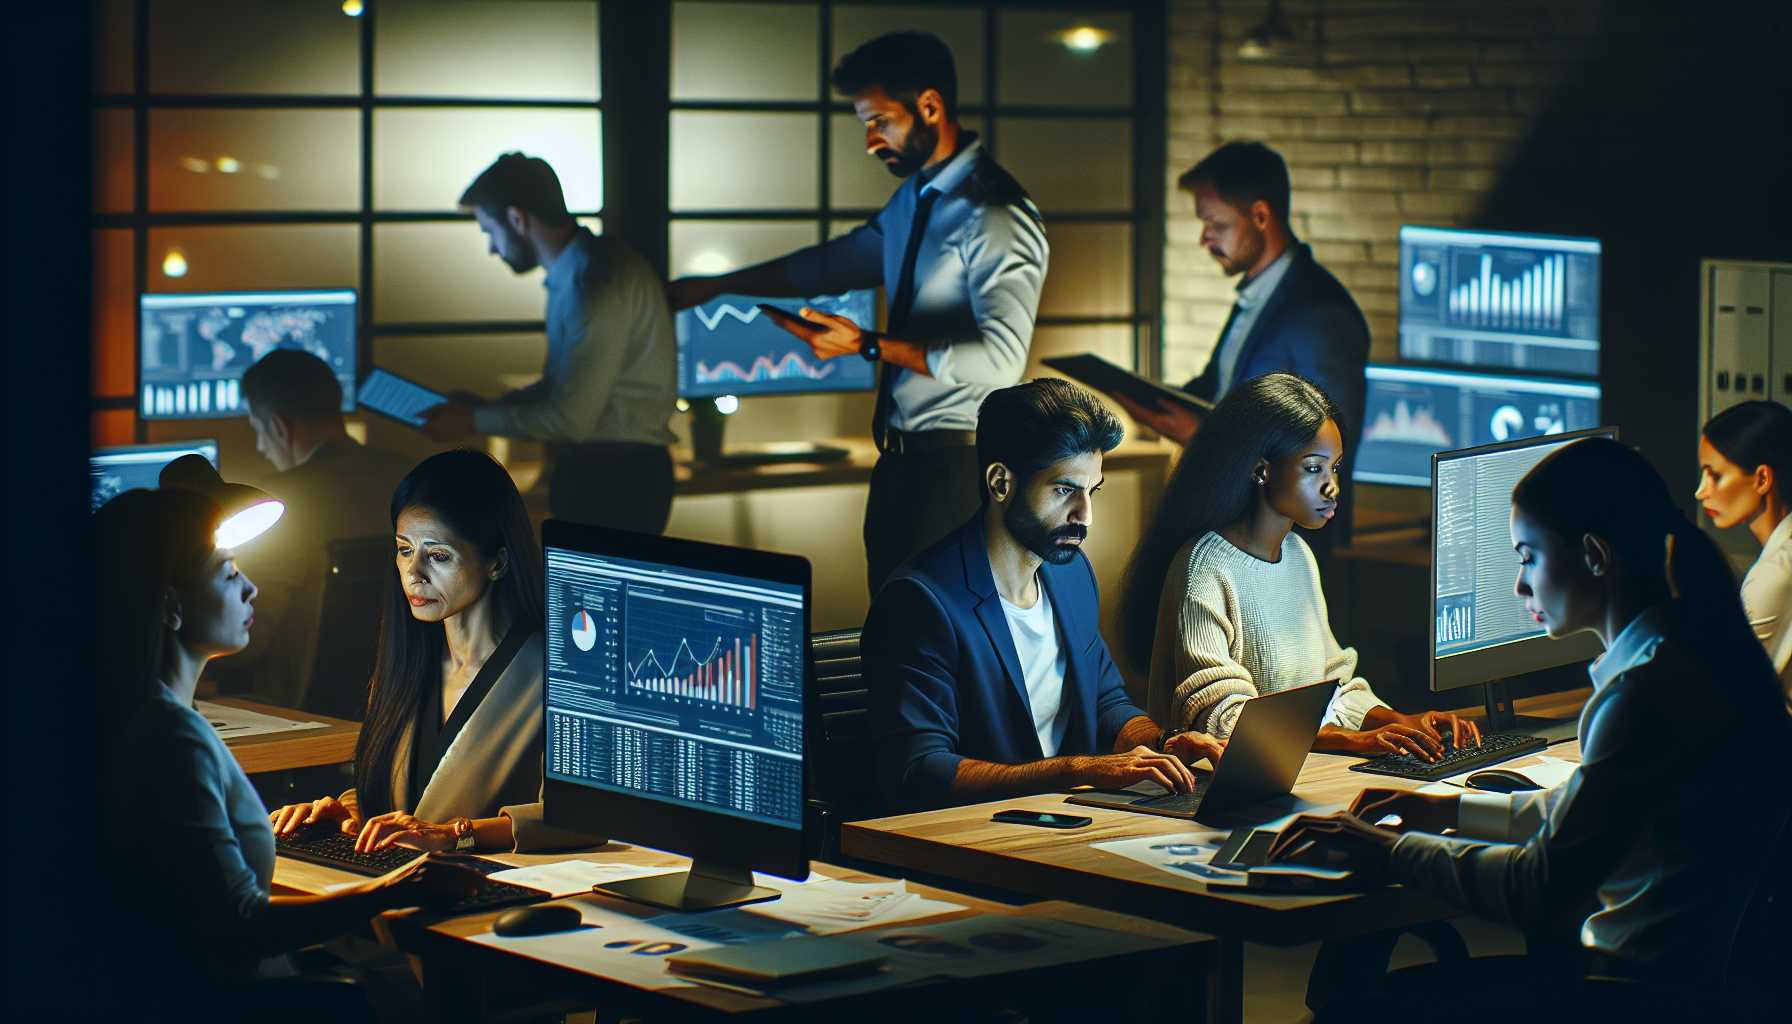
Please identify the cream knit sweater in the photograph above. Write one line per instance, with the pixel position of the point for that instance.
(1231, 626)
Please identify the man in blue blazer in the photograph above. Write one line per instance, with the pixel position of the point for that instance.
(988, 675)
(1291, 313)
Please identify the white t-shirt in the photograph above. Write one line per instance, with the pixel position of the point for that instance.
(1035, 632)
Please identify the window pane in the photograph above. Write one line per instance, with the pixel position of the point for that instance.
(461, 48)
(745, 52)
(1113, 343)
(717, 247)
(424, 159)
(253, 46)
(114, 46)
(1035, 150)
(1090, 272)
(114, 146)
(254, 160)
(114, 331)
(237, 258)
(724, 161)
(114, 426)
(430, 273)
(479, 363)
(855, 179)
(1051, 58)
(962, 31)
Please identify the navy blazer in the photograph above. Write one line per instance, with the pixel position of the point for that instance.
(1311, 326)
(945, 681)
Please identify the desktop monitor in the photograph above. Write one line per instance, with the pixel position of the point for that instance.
(1479, 630)
(1500, 300)
(196, 347)
(1412, 412)
(728, 346)
(676, 706)
(125, 468)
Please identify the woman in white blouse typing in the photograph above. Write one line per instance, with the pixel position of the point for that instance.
(1745, 478)
(1223, 600)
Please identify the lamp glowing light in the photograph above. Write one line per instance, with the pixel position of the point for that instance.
(228, 165)
(681, 405)
(248, 524)
(247, 512)
(174, 264)
(708, 261)
(353, 8)
(727, 405)
(1085, 39)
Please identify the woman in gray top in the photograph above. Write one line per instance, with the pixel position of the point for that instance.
(180, 808)
(1620, 871)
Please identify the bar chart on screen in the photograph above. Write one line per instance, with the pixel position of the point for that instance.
(691, 649)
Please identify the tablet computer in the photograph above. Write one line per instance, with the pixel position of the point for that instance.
(1106, 377)
(395, 398)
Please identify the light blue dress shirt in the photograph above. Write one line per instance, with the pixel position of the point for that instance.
(1252, 294)
(977, 279)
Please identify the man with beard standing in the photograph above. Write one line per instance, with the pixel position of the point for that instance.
(961, 253)
(1291, 313)
(987, 671)
(608, 385)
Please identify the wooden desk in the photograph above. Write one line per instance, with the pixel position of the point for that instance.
(456, 971)
(307, 748)
(963, 843)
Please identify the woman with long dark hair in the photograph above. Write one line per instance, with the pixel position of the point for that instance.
(1222, 601)
(1745, 477)
(450, 754)
(179, 807)
(1685, 717)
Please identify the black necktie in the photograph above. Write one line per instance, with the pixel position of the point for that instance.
(901, 301)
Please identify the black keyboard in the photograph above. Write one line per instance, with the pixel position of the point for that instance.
(1179, 803)
(329, 847)
(1494, 748)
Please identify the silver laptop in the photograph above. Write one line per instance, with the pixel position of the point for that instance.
(1263, 758)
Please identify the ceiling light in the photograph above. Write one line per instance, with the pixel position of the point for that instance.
(353, 8)
(174, 264)
(228, 165)
(1084, 39)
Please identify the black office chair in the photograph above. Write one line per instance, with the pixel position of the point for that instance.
(842, 774)
(346, 637)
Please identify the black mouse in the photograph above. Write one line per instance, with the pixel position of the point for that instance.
(1500, 780)
(538, 920)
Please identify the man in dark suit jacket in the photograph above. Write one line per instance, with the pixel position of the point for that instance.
(1291, 313)
(988, 675)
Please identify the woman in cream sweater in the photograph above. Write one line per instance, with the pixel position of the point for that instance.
(1223, 600)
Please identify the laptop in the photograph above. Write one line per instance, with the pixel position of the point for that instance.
(1262, 760)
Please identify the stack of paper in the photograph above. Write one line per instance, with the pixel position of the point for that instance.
(827, 906)
(233, 723)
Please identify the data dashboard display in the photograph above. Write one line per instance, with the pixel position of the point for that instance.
(676, 684)
(196, 347)
(729, 346)
(1412, 411)
(1500, 301)
(116, 470)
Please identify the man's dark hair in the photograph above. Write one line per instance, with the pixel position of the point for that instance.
(525, 182)
(1032, 425)
(904, 64)
(293, 383)
(1242, 173)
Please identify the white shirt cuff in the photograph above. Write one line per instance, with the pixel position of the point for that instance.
(1484, 815)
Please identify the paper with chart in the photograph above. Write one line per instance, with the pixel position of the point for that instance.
(232, 723)
(827, 906)
(728, 346)
(573, 877)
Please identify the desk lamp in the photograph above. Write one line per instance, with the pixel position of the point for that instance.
(247, 511)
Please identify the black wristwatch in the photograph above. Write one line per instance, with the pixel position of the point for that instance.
(869, 346)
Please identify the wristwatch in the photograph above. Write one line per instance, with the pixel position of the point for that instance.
(869, 346)
(463, 833)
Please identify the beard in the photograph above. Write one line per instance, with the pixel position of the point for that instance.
(1039, 538)
(517, 253)
(922, 138)
(1245, 256)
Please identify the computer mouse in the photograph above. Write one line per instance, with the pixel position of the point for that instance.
(1501, 780)
(538, 920)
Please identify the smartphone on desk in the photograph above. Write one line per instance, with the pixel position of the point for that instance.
(1042, 819)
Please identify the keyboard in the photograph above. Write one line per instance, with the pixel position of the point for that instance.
(1494, 748)
(1178, 803)
(329, 847)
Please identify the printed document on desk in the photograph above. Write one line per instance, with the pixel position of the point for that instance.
(574, 877)
(232, 723)
(826, 906)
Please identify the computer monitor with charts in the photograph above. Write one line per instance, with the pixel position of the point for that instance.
(1479, 630)
(1500, 300)
(676, 705)
(729, 346)
(1414, 411)
(128, 467)
(195, 347)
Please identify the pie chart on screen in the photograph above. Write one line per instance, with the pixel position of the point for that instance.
(584, 630)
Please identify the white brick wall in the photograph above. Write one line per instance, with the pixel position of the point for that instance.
(1388, 112)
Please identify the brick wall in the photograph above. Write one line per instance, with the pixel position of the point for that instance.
(1388, 112)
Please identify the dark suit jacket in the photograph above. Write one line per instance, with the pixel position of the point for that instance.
(1311, 326)
(945, 682)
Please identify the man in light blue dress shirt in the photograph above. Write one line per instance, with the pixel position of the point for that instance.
(961, 253)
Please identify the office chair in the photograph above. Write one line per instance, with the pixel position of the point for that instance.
(842, 778)
(346, 638)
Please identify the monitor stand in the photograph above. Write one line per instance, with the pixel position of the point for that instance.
(707, 886)
(1502, 718)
